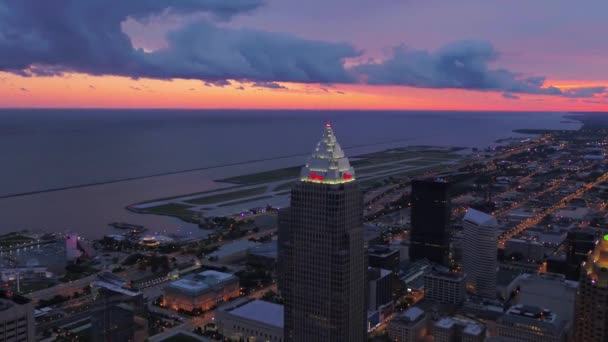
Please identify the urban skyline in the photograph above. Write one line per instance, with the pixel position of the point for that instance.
(158, 185)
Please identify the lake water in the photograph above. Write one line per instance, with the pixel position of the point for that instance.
(50, 149)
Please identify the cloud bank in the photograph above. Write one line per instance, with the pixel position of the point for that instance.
(459, 65)
(50, 38)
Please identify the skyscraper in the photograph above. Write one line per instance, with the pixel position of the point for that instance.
(592, 297)
(322, 246)
(430, 237)
(578, 244)
(479, 260)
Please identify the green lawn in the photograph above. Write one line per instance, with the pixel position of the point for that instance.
(244, 201)
(229, 196)
(190, 194)
(286, 186)
(378, 169)
(173, 209)
(422, 162)
(264, 177)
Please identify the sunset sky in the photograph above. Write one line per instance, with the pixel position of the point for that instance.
(316, 54)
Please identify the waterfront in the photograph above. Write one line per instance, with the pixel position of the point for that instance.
(77, 147)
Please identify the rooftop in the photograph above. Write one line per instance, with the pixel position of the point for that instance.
(269, 249)
(480, 218)
(412, 314)
(201, 281)
(381, 251)
(530, 312)
(233, 248)
(328, 164)
(468, 327)
(261, 311)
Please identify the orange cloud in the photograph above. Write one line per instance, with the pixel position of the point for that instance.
(84, 91)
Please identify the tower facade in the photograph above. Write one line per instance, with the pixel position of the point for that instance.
(592, 297)
(430, 237)
(321, 242)
(479, 260)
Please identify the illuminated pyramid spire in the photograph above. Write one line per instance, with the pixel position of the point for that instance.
(328, 164)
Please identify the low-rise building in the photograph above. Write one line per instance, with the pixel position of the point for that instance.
(264, 254)
(233, 251)
(409, 326)
(525, 249)
(531, 324)
(443, 286)
(202, 291)
(551, 291)
(451, 329)
(257, 320)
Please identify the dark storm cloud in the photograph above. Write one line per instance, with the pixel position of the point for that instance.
(584, 92)
(460, 65)
(48, 38)
(205, 51)
(218, 83)
(86, 36)
(270, 85)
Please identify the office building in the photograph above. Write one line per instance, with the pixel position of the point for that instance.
(202, 291)
(451, 329)
(479, 255)
(16, 318)
(383, 257)
(592, 298)
(444, 286)
(379, 288)
(257, 320)
(409, 326)
(117, 312)
(430, 236)
(325, 266)
(532, 324)
(578, 244)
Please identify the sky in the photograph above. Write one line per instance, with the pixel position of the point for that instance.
(542, 55)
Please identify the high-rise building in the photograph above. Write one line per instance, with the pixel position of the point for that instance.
(592, 297)
(383, 257)
(430, 237)
(16, 318)
(379, 292)
(532, 324)
(444, 286)
(479, 254)
(322, 246)
(578, 244)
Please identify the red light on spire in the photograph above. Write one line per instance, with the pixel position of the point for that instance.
(347, 176)
(314, 176)
(327, 125)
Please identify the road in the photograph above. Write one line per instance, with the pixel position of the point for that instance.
(531, 222)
